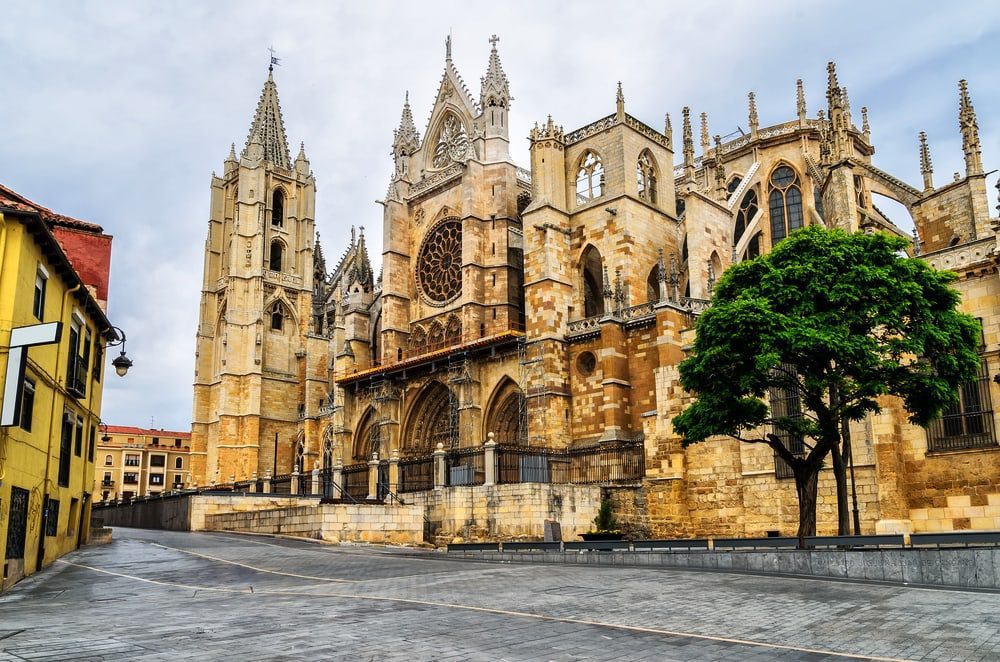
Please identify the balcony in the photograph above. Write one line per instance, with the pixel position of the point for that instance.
(76, 380)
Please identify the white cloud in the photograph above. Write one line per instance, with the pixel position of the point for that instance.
(117, 112)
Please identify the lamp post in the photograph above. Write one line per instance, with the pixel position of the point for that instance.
(121, 363)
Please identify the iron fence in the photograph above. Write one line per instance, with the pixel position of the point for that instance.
(416, 474)
(465, 466)
(281, 484)
(356, 481)
(967, 422)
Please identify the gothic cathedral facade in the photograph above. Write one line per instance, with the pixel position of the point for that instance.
(546, 310)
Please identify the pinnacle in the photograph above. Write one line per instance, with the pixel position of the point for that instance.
(495, 82)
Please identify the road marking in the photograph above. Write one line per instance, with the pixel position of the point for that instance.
(255, 568)
(490, 610)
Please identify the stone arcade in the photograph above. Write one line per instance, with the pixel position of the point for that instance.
(526, 326)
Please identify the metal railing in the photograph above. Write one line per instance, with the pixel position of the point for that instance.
(608, 463)
(356, 481)
(968, 422)
(465, 466)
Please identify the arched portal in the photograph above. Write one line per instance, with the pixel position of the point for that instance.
(505, 414)
(430, 420)
(366, 439)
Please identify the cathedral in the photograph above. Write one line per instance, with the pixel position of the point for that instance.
(527, 322)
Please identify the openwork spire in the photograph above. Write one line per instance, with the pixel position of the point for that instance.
(268, 128)
(970, 131)
(494, 87)
(926, 168)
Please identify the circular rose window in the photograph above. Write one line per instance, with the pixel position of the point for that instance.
(439, 263)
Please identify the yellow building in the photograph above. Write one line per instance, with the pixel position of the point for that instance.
(53, 269)
(135, 462)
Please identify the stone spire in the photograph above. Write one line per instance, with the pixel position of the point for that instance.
(720, 171)
(319, 262)
(405, 139)
(840, 145)
(494, 86)
(970, 132)
(231, 162)
(268, 128)
(668, 131)
(704, 134)
(926, 169)
(688, 143)
(753, 119)
(620, 103)
(800, 102)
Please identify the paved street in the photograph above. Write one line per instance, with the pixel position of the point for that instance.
(156, 595)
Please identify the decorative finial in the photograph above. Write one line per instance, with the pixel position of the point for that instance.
(865, 127)
(447, 48)
(800, 101)
(916, 242)
(926, 168)
(753, 119)
(620, 102)
(668, 131)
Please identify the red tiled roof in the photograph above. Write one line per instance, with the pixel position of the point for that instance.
(149, 432)
(13, 200)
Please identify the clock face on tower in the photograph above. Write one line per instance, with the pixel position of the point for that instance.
(439, 263)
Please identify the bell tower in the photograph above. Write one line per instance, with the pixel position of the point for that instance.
(256, 306)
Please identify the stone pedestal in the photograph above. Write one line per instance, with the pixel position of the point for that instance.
(338, 480)
(373, 478)
(440, 467)
(490, 460)
(294, 489)
(316, 487)
(394, 472)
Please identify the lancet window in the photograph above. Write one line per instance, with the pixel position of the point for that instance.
(589, 178)
(784, 203)
(645, 174)
(278, 208)
(277, 316)
(276, 256)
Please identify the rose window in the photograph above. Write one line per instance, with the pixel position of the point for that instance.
(439, 263)
(452, 143)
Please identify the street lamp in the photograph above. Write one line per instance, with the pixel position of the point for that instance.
(121, 363)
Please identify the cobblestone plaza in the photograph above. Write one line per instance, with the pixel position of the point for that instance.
(156, 595)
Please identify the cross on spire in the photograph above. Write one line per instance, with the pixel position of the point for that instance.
(274, 60)
(493, 41)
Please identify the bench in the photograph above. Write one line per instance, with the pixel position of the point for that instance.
(889, 540)
(755, 543)
(522, 546)
(956, 538)
(598, 545)
(474, 547)
(684, 543)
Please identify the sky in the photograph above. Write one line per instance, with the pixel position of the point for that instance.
(118, 112)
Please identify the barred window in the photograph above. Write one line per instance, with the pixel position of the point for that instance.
(785, 403)
(968, 422)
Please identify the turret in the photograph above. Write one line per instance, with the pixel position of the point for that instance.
(494, 99)
(405, 141)
(547, 147)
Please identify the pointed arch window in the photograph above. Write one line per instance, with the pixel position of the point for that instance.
(593, 283)
(278, 208)
(589, 178)
(645, 174)
(276, 256)
(734, 184)
(784, 203)
(277, 316)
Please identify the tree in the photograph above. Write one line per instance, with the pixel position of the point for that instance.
(821, 327)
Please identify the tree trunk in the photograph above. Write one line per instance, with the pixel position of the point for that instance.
(843, 508)
(807, 487)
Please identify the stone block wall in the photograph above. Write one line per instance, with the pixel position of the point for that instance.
(507, 512)
(388, 524)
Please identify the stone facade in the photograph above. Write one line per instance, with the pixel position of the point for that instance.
(551, 308)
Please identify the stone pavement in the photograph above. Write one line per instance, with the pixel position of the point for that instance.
(158, 595)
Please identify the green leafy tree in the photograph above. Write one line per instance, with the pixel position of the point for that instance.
(822, 327)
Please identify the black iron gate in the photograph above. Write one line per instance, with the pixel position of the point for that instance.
(17, 527)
